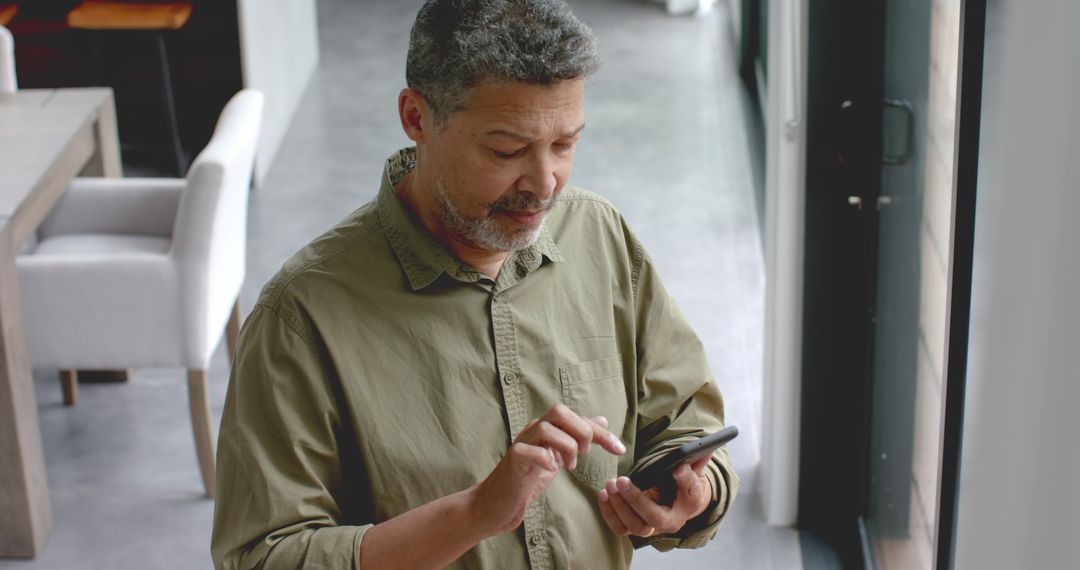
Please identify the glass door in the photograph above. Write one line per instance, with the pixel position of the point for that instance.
(914, 209)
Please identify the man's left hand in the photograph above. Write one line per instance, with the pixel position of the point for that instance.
(629, 510)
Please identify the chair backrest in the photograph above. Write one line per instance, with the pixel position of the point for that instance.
(210, 236)
(8, 83)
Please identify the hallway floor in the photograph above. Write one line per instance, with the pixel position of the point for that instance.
(665, 142)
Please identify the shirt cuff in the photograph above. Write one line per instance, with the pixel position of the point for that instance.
(357, 541)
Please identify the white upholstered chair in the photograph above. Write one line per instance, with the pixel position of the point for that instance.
(146, 272)
(8, 83)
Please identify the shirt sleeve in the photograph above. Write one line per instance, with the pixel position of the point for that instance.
(678, 400)
(279, 472)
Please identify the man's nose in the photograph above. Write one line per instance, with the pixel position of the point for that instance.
(541, 178)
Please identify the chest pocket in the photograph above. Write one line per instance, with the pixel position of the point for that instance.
(596, 388)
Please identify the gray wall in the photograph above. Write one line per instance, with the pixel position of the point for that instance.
(1020, 469)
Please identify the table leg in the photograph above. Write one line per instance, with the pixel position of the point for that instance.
(24, 493)
(109, 140)
(106, 159)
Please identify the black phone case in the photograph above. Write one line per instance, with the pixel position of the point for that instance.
(660, 472)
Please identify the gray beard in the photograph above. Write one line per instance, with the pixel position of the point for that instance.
(482, 232)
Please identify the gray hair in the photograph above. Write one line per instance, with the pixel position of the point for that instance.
(458, 44)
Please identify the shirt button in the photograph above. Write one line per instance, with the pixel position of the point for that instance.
(509, 378)
(534, 540)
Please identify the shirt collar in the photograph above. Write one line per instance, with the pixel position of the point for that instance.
(422, 257)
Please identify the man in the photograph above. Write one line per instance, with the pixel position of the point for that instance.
(464, 371)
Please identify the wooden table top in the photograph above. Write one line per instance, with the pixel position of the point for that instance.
(38, 125)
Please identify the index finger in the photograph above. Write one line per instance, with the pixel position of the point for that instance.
(699, 465)
(605, 438)
(584, 430)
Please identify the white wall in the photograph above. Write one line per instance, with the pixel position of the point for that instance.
(785, 178)
(1019, 501)
(279, 50)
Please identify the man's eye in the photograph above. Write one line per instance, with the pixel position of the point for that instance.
(508, 155)
(564, 147)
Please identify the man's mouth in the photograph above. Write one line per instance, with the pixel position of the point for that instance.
(525, 217)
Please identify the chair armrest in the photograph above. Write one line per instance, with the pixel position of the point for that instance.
(139, 206)
(102, 311)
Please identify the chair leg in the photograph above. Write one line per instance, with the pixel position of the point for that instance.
(69, 381)
(104, 376)
(96, 65)
(201, 425)
(232, 330)
(168, 96)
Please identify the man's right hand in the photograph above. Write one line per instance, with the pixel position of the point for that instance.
(457, 522)
(545, 445)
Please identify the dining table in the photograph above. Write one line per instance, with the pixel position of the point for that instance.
(47, 138)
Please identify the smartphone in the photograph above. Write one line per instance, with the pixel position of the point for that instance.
(659, 473)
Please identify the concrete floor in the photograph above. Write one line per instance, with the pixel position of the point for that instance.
(665, 142)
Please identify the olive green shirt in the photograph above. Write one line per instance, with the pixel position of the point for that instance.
(378, 373)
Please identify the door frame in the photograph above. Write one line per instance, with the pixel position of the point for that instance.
(968, 127)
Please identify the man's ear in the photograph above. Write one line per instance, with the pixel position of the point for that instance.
(415, 115)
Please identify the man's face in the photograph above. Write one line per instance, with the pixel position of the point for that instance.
(498, 163)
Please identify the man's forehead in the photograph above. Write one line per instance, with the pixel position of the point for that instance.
(508, 131)
(505, 108)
